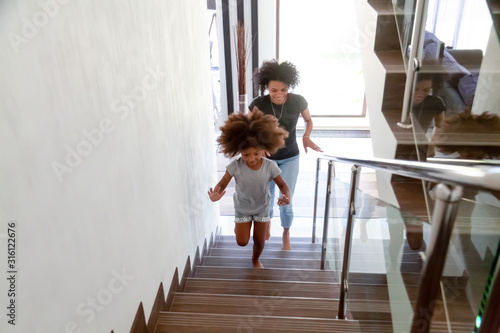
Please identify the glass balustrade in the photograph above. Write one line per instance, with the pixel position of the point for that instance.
(404, 11)
(388, 248)
(470, 260)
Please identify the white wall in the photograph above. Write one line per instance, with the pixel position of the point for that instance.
(126, 86)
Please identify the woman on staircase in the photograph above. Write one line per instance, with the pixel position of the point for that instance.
(278, 78)
(251, 136)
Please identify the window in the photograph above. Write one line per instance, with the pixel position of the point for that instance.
(320, 38)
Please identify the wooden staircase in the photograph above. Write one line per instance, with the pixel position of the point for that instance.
(223, 293)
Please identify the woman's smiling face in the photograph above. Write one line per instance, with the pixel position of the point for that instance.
(422, 90)
(277, 92)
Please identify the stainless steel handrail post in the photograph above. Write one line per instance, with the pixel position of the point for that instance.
(413, 59)
(315, 200)
(344, 284)
(444, 214)
(327, 213)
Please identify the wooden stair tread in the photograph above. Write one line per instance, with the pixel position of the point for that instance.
(266, 262)
(262, 287)
(245, 304)
(284, 288)
(267, 253)
(275, 305)
(283, 274)
(272, 239)
(382, 7)
(201, 322)
(231, 243)
(392, 61)
(411, 262)
(277, 274)
(357, 254)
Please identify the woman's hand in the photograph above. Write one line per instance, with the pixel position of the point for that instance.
(308, 143)
(283, 200)
(216, 193)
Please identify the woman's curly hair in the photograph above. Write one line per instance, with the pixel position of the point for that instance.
(242, 131)
(273, 71)
(474, 136)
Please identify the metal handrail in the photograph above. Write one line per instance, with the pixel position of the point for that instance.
(414, 59)
(451, 180)
(458, 161)
(480, 177)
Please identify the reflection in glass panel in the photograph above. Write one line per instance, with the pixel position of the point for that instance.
(405, 15)
(385, 265)
(463, 83)
(471, 256)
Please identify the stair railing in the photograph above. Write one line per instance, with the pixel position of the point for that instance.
(414, 60)
(451, 180)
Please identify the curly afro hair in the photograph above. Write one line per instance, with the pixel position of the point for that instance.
(273, 71)
(242, 131)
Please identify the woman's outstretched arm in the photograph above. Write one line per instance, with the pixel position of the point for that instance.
(306, 138)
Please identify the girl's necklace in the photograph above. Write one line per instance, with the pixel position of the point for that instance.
(282, 105)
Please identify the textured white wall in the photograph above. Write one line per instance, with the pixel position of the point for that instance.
(106, 143)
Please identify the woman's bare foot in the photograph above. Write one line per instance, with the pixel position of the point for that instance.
(286, 239)
(257, 264)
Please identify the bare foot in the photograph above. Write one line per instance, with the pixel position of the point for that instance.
(257, 264)
(286, 240)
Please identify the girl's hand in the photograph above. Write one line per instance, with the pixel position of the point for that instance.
(283, 200)
(216, 193)
(308, 143)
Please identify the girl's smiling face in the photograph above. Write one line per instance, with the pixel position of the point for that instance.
(252, 157)
(277, 92)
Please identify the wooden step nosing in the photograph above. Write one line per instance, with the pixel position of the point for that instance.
(261, 281)
(229, 320)
(274, 269)
(282, 301)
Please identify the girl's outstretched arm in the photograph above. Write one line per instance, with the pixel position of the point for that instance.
(285, 191)
(219, 190)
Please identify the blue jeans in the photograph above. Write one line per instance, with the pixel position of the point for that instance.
(289, 172)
